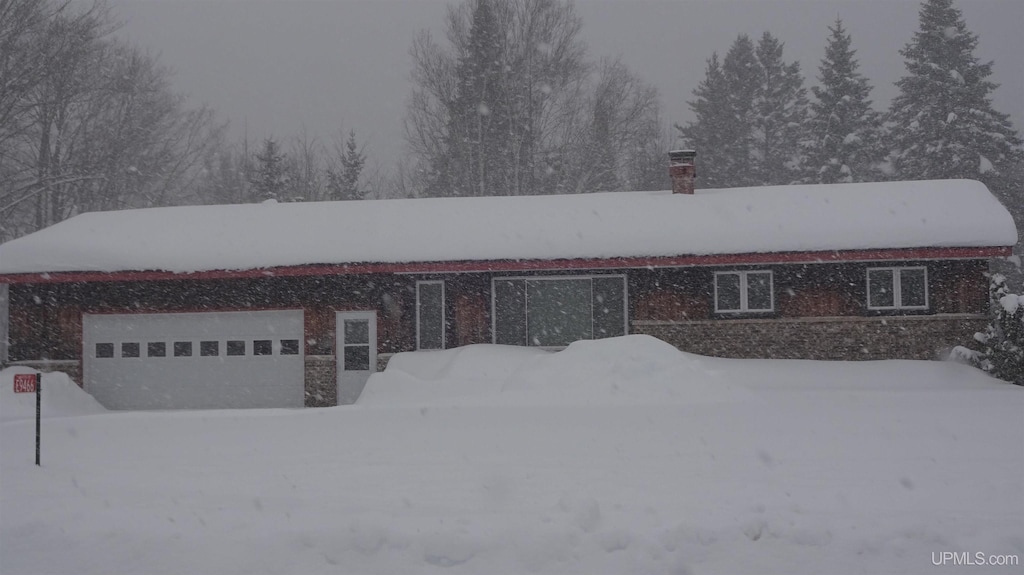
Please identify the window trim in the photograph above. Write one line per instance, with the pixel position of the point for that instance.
(897, 289)
(744, 303)
(444, 315)
(526, 319)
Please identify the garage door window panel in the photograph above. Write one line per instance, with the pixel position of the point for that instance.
(289, 347)
(235, 347)
(183, 349)
(156, 349)
(209, 348)
(104, 350)
(130, 349)
(262, 347)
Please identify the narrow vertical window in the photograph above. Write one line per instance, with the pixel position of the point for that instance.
(881, 288)
(510, 312)
(727, 292)
(913, 288)
(609, 306)
(430, 318)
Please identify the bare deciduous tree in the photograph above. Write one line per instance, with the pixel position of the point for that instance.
(94, 125)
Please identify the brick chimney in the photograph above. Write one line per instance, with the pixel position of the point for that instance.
(680, 168)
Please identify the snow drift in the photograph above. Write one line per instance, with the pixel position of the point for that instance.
(614, 456)
(623, 370)
(61, 397)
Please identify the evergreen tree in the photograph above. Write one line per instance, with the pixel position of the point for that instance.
(942, 121)
(344, 185)
(478, 133)
(742, 75)
(844, 130)
(270, 178)
(1002, 342)
(605, 163)
(709, 132)
(780, 115)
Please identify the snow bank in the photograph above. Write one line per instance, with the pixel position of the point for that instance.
(534, 462)
(634, 369)
(61, 397)
(950, 213)
(464, 374)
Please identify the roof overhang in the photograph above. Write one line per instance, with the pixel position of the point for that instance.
(818, 257)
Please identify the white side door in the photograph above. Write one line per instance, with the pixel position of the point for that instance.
(357, 352)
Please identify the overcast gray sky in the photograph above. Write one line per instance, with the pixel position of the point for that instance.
(272, 67)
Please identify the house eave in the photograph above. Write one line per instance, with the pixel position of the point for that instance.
(490, 266)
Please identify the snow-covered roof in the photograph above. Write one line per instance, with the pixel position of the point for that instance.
(919, 214)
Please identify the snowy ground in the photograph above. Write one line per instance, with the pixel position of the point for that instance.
(615, 456)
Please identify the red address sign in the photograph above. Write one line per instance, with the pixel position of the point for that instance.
(24, 383)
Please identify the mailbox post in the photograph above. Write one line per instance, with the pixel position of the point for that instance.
(27, 383)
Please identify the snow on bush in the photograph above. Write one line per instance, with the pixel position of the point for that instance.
(1002, 342)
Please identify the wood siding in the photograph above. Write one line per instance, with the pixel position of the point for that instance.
(46, 319)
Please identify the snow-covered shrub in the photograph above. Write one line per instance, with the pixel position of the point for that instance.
(1001, 346)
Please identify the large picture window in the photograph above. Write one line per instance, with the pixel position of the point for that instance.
(744, 291)
(430, 315)
(898, 288)
(556, 311)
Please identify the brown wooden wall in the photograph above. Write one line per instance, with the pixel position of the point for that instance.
(46, 319)
(814, 290)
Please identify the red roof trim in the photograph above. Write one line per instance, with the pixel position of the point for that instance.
(522, 265)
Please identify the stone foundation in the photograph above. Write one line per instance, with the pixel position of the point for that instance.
(828, 338)
(322, 378)
(321, 381)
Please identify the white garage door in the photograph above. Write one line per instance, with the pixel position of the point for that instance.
(194, 360)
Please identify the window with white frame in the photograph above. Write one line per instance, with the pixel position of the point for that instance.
(744, 291)
(430, 314)
(556, 311)
(898, 288)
